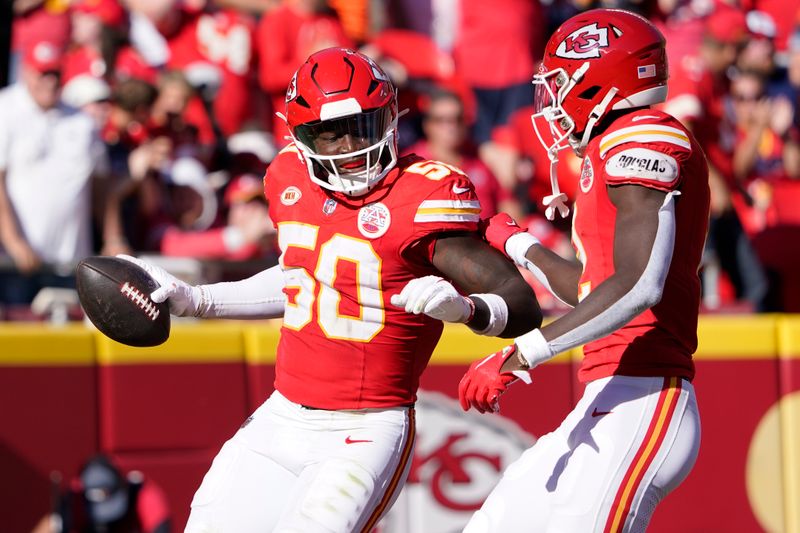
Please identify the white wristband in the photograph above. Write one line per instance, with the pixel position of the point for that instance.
(534, 348)
(518, 245)
(498, 314)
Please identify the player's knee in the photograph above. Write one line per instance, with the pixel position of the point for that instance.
(339, 495)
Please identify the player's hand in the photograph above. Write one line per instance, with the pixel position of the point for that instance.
(485, 381)
(436, 298)
(26, 260)
(503, 233)
(183, 299)
(498, 229)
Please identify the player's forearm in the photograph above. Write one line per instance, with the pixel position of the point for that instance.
(744, 158)
(9, 231)
(480, 270)
(561, 275)
(259, 296)
(524, 313)
(637, 285)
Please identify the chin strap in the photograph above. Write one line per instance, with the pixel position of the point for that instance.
(557, 200)
(594, 116)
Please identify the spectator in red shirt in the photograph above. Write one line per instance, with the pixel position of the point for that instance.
(176, 114)
(285, 37)
(767, 146)
(698, 93)
(246, 233)
(495, 51)
(767, 140)
(214, 49)
(446, 140)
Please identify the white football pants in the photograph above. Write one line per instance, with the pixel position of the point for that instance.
(626, 445)
(293, 469)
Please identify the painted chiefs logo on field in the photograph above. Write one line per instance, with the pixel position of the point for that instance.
(374, 220)
(291, 91)
(290, 195)
(584, 43)
(458, 458)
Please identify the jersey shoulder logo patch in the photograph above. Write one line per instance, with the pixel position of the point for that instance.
(587, 175)
(374, 220)
(290, 195)
(583, 43)
(643, 163)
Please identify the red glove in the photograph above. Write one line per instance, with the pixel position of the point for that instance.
(483, 383)
(497, 230)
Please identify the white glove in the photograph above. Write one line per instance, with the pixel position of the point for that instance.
(436, 298)
(184, 299)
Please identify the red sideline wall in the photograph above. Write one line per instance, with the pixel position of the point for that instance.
(70, 392)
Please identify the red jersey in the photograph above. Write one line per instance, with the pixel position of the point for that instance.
(223, 42)
(343, 345)
(498, 43)
(661, 340)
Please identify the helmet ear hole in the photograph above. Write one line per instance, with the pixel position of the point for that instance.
(589, 93)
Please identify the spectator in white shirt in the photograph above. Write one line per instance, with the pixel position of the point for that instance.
(49, 153)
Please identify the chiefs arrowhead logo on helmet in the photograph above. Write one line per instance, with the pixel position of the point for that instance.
(583, 43)
(291, 91)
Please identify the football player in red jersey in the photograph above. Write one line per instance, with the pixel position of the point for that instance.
(639, 222)
(366, 240)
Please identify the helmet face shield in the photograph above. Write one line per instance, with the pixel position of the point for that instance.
(549, 90)
(545, 89)
(327, 136)
(350, 154)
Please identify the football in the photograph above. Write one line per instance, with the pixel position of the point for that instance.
(115, 294)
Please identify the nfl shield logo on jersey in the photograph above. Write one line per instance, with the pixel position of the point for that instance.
(374, 220)
(329, 206)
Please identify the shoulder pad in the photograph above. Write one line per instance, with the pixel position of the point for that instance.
(645, 127)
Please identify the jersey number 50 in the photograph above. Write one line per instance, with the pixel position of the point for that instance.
(368, 294)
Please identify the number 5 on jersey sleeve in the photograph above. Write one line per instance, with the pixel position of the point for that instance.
(433, 170)
(368, 294)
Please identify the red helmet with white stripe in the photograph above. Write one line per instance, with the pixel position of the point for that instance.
(341, 109)
(597, 61)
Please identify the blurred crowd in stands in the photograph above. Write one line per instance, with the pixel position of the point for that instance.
(145, 126)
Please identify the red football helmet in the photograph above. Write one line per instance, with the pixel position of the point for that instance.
(341, 110)
(600, 60)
